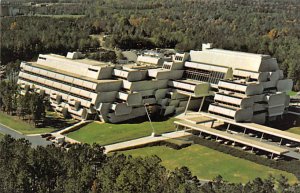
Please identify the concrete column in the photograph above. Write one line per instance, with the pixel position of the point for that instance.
(262, 136)
(280, 142)
(228, 126)
(202, 102)
(187, 105)
(212, 124)
(245, 131)
(200, 134)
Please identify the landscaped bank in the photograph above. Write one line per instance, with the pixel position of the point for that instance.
(207, 163)
(24, 127)
(107, 133)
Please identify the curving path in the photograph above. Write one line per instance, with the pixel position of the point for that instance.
(35, 140)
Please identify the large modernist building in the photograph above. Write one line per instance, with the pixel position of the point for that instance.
(244, 86)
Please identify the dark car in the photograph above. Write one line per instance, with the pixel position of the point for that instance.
(68, 145)
(45, 135)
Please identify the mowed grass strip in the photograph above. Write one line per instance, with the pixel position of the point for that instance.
(207, 163)
(107, 133)
(22, 126)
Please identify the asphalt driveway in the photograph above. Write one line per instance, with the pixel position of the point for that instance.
(36, 140)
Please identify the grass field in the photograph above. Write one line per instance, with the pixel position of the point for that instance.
(207, 163)
(106, 133)
(24, 127)
(295, 130)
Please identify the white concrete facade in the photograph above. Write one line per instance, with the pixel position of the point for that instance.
(246, 87)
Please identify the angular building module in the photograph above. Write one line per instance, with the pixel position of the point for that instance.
(87, 89)
(256, 92)
(246, 87)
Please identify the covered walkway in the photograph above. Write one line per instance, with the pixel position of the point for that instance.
(144, 141)
(235, 138)
(256, 127)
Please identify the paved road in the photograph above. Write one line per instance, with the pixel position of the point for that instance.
(34, 140)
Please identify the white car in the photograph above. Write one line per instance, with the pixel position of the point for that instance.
(227, 142)
(246, 148)
(277, 158)
(220, 140)
(291, 144)
(232, 132)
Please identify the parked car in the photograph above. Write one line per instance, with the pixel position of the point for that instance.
(256, 152)
(291, 144)
(232, 132)
(278, 158)
(68, 145)
(227, 142)
(62, 144)
(245, 148)
(59, 139)
(45, 135)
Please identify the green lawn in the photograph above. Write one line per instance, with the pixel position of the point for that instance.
(107, 133)
(24, 127)
(208, 163)
(295, 130)
(292, 93)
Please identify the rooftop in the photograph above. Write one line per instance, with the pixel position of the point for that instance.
(69, 73)
(79, 61)
(234, 53)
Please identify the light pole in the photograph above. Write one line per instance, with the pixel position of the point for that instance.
(153, 132)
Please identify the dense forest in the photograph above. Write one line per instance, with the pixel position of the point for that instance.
(84, 168)
(268, 27)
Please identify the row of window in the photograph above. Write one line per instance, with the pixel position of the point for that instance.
(59, 81)
(28, 64)
(227, 103)
(179, 58)
(212, 77)
(93, 70)
(167, 66)
(232, 90)
(56, 89)
(42, 58)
